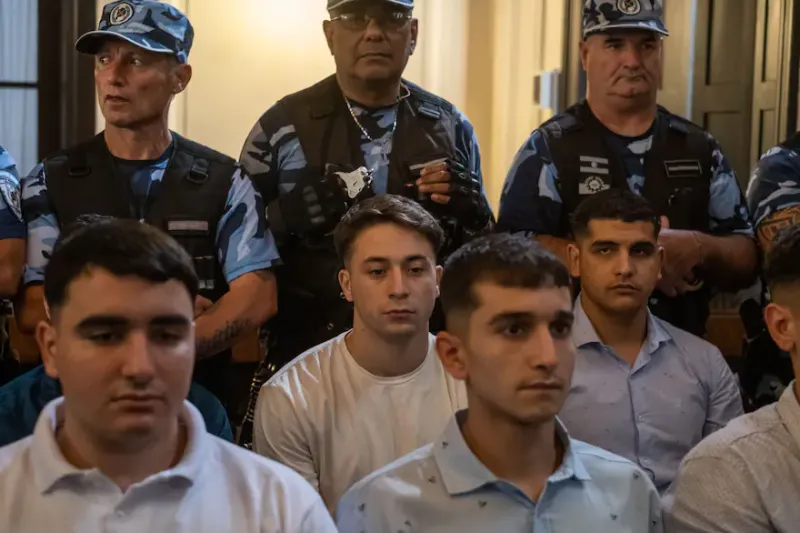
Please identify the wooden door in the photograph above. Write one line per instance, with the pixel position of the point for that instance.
(723, 76)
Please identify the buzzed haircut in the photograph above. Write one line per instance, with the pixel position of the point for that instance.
(782, 262)
(511, 261)
(613, 204)
(121, 247)
(385, 209)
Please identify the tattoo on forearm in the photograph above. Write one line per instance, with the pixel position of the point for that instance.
(222, 338)
(770, 227)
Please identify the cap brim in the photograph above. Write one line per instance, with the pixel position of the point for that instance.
(343, 3)
(653, 26)
(90, 42)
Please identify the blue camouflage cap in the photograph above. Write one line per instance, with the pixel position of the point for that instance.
(154, 26)
(604, 15)
(337, 5)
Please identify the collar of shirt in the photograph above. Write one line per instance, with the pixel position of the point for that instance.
(584, 334)
(462, 472)
(50, 467)
(789, 411)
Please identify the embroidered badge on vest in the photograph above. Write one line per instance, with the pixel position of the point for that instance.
(685, 168)
(593, 170)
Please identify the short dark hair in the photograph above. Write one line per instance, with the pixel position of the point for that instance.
(511, 261)
(614, 204)
(123, 248)
(385, 209)
(782, 261)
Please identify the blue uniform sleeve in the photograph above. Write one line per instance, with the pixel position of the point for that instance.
(12, 225)
(42, 224)
(244, 243)
(727, 208)
(531, 201)
(272, 155)
(775, 184)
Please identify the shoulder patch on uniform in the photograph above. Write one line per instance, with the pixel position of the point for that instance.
(12, 197)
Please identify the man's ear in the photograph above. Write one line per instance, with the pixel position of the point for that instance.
(183, 75)
(662, 256)
(584, 52)
(451, 353)
(414, 36)
(344, 283)
(780, 322)
(574, 256)
(439, 271)
(327, 28)
(46, 340)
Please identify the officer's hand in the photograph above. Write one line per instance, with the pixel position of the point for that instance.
(682, 257)
(451, 184)
(435, 180)
(201, 305)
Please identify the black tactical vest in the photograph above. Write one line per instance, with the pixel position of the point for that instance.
(312, 307)
(677, 170)
(82, 180)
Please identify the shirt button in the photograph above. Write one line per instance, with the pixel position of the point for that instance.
(646, 462)
(330, 327)
(641, 418)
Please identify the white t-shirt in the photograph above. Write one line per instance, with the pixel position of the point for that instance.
(215, 487)
(335, 423)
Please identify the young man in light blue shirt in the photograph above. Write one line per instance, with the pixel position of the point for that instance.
(642, 388)
(505, 464)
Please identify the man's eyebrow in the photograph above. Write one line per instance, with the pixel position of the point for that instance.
(529, 316)
(407, 259)
(99, 321)
(605, 243)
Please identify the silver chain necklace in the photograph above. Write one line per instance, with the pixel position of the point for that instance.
(394, 124)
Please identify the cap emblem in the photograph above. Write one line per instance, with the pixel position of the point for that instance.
(120, 14)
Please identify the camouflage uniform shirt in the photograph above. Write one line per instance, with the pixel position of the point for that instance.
(244, 244)
(531, 201)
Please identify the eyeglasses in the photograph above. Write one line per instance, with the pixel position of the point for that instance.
(388, 20)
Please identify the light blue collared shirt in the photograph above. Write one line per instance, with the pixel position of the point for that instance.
(444, 488)
(679, 390)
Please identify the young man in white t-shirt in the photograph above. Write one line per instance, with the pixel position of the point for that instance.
(377, 392)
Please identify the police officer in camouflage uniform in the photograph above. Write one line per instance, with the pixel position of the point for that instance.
(773, 196)
(12, 250)
(361, 132)
(620, 137)
(137, 168)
